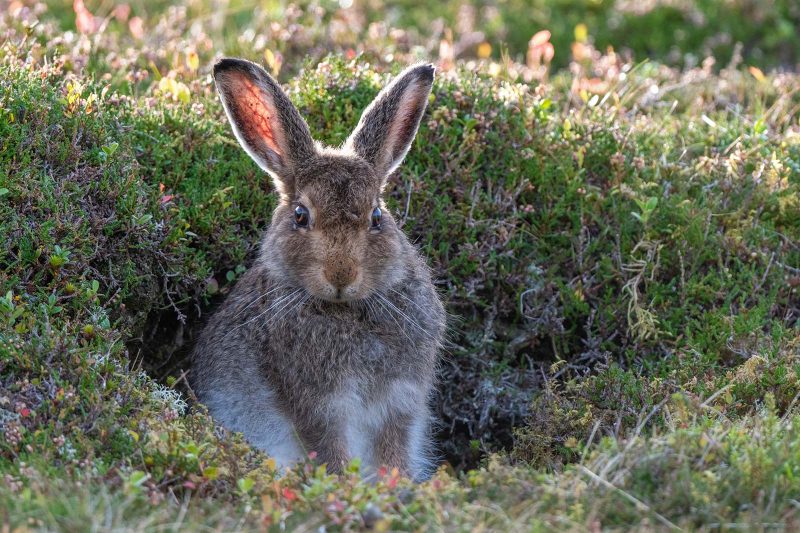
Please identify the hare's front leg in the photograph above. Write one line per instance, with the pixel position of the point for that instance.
(325, 439)
(403, 438)
(391, 446)
(404, 442)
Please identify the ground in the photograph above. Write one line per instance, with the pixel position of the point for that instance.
(617, 242)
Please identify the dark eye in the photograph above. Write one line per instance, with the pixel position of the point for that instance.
(301, 216)
(376, 218)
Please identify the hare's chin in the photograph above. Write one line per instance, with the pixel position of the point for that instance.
(341, 299)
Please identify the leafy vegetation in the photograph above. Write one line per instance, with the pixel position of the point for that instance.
(617, 245)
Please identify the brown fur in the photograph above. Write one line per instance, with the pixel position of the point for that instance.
(334, 331)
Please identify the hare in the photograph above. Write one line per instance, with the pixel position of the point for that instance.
(329, 342)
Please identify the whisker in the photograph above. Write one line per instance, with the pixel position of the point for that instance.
(368, 303)
(382, 307)
(286, 303)
(300, 304)
(296, 304)
(360, 305)
(376, 311)
(409, 300)
(381, 300)
(371, 312)
(274, 304)
(401, 313)
(450, 329)
(256, 299)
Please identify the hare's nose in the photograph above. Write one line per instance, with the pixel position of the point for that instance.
(341, 272)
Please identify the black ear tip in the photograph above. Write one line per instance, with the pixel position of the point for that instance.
(421, 73)
(426, 71)
(227, 64)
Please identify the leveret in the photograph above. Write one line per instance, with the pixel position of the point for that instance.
(329, 342)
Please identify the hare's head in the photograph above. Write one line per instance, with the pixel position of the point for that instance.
(331, 233)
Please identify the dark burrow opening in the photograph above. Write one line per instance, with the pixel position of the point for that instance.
(477, 405)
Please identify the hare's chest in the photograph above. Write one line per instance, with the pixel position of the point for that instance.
(341, 344)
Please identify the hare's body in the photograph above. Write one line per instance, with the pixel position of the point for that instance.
(329, 342)
(342, 366)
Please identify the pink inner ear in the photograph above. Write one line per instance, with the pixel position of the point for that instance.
(255, 112)
(403, 128)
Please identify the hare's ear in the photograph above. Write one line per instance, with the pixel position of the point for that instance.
(265, 122)
(388, 126)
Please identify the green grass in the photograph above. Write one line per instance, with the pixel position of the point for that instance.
(622, 271)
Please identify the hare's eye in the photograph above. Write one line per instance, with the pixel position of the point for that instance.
(376, 218)
(301, 216)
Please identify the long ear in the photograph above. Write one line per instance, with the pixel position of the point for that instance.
(265, 122)
(388, 126)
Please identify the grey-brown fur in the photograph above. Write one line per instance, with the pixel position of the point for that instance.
(329, 342)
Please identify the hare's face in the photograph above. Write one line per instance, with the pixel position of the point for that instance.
(334, 237)
(331, 234)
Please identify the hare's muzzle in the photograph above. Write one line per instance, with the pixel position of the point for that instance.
(341, 273)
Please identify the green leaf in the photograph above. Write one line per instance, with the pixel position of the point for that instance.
(245, 484)
(354, 467)
(137, 478)
(109, 149)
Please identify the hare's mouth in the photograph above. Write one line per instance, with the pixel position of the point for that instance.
(339, 296)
